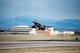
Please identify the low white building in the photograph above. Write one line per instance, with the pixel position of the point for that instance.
(21, 29)
(31, 31)
(34, 31)
(63, 32)
(69, 32)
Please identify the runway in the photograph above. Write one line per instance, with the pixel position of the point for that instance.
(30, 44)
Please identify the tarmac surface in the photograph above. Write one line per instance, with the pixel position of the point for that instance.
(31, 44)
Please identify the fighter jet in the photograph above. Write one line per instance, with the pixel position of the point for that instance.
(38, 25)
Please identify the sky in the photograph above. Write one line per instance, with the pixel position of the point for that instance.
(48, 9)
(38, 9)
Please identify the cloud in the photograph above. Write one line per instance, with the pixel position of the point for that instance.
(48, 9)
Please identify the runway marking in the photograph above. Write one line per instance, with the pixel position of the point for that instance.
(30, 44)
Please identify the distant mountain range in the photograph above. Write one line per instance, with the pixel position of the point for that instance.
(67, 24)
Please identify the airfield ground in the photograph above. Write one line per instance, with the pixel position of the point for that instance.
(36, 37)
(61, 49)
(54, 49)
